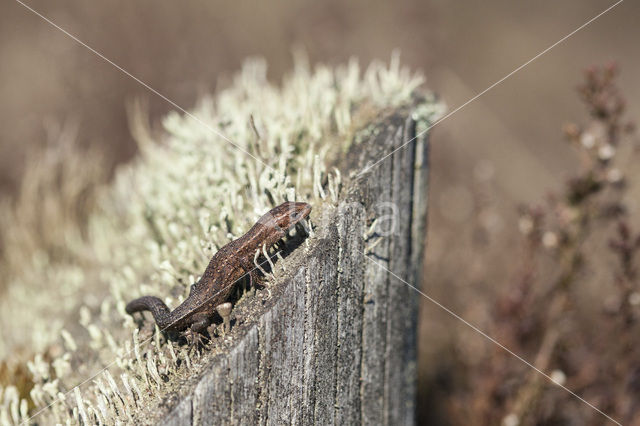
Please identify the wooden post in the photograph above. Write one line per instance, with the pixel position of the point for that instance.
(336, 342)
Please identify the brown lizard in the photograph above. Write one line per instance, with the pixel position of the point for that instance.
(227, 267)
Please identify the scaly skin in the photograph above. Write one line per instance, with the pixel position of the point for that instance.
(224, 271)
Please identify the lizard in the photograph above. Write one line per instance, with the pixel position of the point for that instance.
(227, 267)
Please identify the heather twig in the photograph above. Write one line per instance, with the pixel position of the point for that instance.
(540, 316)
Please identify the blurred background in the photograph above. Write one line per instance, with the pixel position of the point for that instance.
(500, 151)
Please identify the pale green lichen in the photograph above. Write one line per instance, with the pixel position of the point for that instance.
(156, 227)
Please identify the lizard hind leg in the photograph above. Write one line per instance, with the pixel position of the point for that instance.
(198, 329)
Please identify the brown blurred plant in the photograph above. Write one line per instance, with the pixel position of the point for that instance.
(543, 315)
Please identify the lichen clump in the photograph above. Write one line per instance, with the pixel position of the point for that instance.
(154, 229)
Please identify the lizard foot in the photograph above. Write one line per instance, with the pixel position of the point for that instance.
(195, 339)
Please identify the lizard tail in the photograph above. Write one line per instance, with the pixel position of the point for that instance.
(158, 309)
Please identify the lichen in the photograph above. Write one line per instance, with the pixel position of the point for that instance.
(153, 230)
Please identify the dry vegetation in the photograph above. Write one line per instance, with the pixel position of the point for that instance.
(479, 263)
(155, 227)
(570, 303)
(584, 337)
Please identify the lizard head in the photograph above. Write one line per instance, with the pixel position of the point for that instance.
(291, 213)
(286, 216)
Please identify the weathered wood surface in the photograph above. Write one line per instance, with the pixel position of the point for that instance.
(337, 343)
